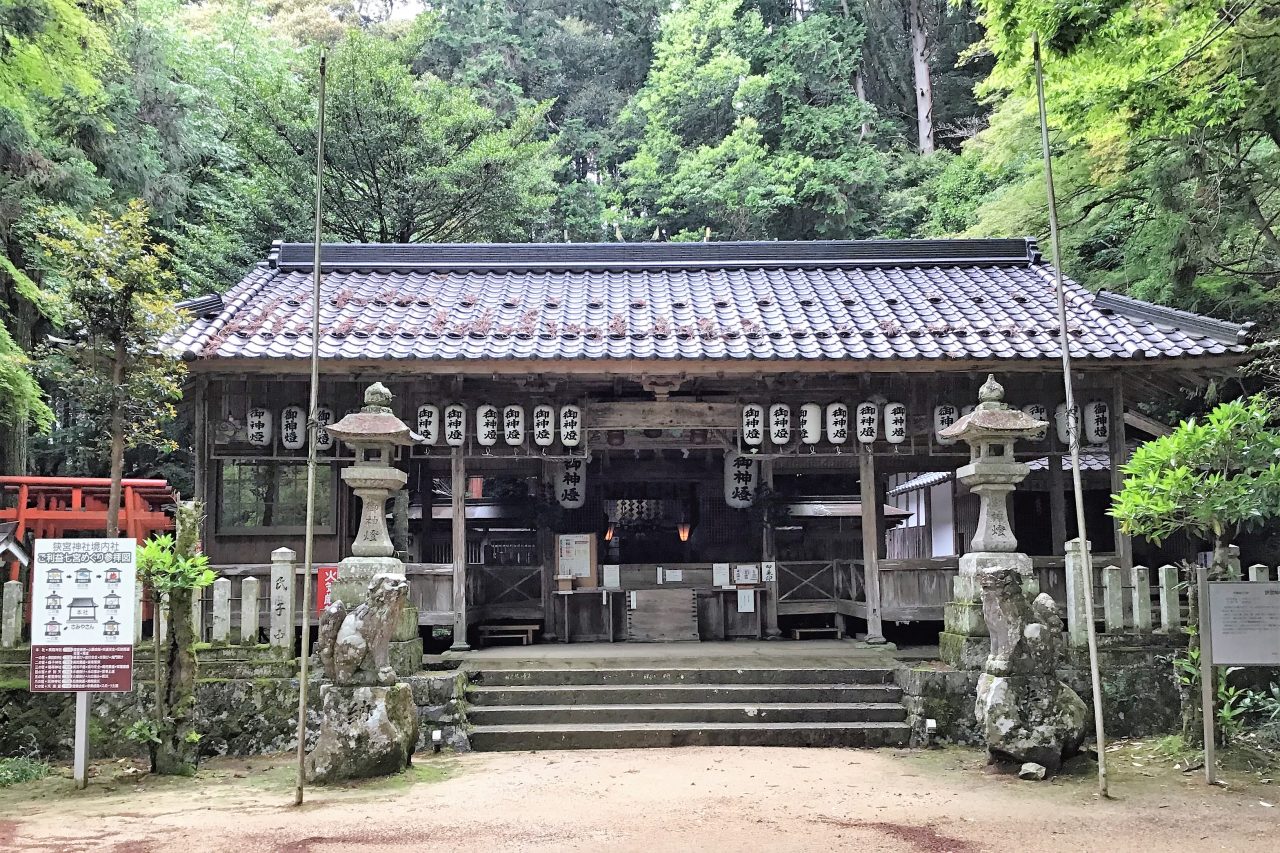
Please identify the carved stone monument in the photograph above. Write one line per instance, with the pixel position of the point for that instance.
(1025, 713)
(374, 433)
(368, 720)
(990, 430)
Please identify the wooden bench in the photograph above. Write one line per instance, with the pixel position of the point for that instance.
(829, 630)
(523, 633)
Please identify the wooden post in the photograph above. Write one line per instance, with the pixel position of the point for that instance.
(768, 553)
(198, 433)
(547, 556)
(1057, 503)
(870, 543)
(1119, 453)
(458, 491)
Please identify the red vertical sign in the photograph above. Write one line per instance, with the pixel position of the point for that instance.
(325, 576)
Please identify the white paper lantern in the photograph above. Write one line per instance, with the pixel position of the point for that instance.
(1037, 411)
(293, 428)
(324, 417)
(753, 424)
(895, 423)
(944, 415)
(513, 425)
(741, 476)
(429, 423)
(258, 421)
(837, 423)
(488, 425)
(570, 425)
(455, 424)
(571, 483)
(1060, 422)
(544, 425)
(779, 423)
(1097, 422)
(868, 422)
(810, 423)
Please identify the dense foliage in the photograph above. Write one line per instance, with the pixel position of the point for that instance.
(632, 120)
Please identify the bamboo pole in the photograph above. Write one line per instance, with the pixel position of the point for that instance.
(1073, 427)
(313, 431)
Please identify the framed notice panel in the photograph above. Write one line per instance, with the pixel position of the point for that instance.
(83, 593)
(1244, 623)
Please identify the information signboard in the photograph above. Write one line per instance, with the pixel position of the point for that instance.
(82, 609)
(1244, 623)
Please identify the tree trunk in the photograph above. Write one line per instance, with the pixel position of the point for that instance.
(1189, 677)
(178, 750)
(117, 442)
(920, 69)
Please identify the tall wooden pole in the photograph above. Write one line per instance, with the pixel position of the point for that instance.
(870, 542)
(458, 491)
(769, 552)
(1073, 427)
(313, 431)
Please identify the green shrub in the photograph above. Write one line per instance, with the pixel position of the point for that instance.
(15, 771)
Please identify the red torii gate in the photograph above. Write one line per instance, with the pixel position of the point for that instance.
(51, 507)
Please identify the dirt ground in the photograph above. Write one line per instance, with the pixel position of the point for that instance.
(706, 799)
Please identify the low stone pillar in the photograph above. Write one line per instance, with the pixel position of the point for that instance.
(1113, 599)
(1170, 606)
(282, 605)
(1141, 599)
(1234, 572)
(197, 614)
(1077, 627)
(140, 594)
(221, 632)
(11, 614)
(162, 618)
(250, 612)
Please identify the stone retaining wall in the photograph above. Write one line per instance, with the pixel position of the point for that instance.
(245, 712)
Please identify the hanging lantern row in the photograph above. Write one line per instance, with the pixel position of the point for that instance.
(813, 418)
(1095, 427)
(260, 423)
(507, 425)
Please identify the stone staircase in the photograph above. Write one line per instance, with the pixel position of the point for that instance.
(639, 707)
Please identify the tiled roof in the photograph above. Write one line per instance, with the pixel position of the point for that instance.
(1090, 460)
(881, 300)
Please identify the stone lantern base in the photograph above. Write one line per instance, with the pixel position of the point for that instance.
(364, 731)
(964, 642)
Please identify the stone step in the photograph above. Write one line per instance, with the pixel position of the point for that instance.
(680, 675)
(653, 735)
(612, 694)
(723, 712)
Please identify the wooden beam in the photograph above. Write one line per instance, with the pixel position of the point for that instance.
(1150, 426)
(769, 553)
(458, 491)
(870, 544)
(670, 414)
(1119, 452)
(547, 555)
(1057, 504)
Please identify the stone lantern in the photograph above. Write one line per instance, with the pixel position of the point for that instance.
(992, 474)
(373, 433)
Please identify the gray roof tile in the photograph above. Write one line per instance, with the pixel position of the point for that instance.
(885, 300)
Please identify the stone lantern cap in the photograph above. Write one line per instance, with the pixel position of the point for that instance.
(375, 423)
(993, 418)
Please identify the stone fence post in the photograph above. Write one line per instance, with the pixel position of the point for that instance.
(282, 604)
(1141, 599)
(11, 614)
(1170, 604)
(1077, 627)
(250, 610)
(221, 610)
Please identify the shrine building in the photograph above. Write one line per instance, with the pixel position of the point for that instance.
(675, 441)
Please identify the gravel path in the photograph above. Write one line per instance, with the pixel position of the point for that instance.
(702, 799)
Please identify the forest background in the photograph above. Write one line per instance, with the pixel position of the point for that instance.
(603, 120)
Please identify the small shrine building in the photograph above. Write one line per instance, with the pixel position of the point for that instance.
(724, 439)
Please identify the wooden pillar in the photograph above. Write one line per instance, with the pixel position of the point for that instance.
(768, 552)
(1119, 456)
(871, 536)
(458, 491)
(1057, 504)
(547, 556)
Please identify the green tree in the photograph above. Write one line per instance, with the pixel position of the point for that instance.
(174, 572)
(117, 303)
